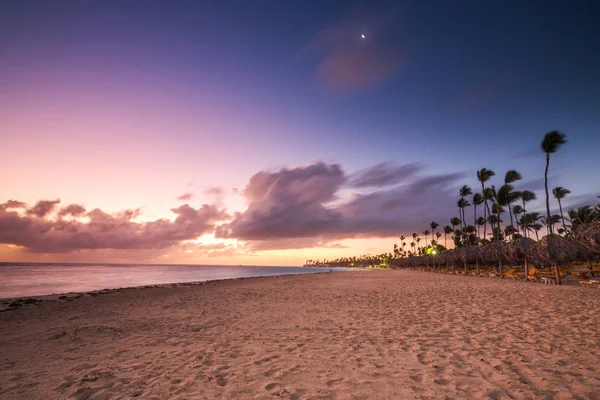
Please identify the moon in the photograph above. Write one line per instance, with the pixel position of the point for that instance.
(363, 36)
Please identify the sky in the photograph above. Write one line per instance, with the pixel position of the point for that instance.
(271, 132)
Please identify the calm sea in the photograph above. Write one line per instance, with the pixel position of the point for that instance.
(21, 280)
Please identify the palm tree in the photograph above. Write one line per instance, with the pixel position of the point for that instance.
(477, 200)
(484, 175)
(582, 215)
(507, 196)
(426, 232)
(560, 193)
(433, 225)
(550, 144)
(447, 230)
(464, 192)
(531, 220)
(454, 221)
(527, 196)
(511, 177)
(517, 210)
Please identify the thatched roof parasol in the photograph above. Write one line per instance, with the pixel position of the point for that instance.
(519, 249)
(554, 249)
(460, 254)
(494, 251)
(474, 254)
(449, 256)
(588, 236)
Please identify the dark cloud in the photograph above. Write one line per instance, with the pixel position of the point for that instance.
(349, 62)
(383, 174)
(43, 208)
(104, 231)
(291, 243)
(74, 210)
(187, 196)
(288, 203)
(12, 204)
(535, 185)
(292, 207)
(403, 209)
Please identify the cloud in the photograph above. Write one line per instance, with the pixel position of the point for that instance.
(289, 208)
(291, 243)
(292, 207)
(403, 209)
(214, 191)
(103, 231)
(347, 61)
(535, 185)
(12, 204)
(187, 196)
(74, 210)
(43, 208)
(383, 174)
(288, 203)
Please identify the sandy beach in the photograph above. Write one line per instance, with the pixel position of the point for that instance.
(343, 335)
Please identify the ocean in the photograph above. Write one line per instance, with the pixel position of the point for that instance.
(36, 279)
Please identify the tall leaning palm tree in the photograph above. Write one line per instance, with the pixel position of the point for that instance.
(559, 194)
(550, 144)
(477, 200)
(484, 175)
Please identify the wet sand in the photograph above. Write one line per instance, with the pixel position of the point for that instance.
(343, 335)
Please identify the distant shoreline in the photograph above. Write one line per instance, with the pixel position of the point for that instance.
(25, 300)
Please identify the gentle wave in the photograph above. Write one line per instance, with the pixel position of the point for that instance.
(29, 279)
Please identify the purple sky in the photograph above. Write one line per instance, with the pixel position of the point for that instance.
(266, 133)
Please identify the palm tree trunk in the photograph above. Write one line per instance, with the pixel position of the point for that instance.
(562, 216)
(485, 205)
(511, 216)
(445, 241)
(548, 220)
(475, 220)
(524, 217)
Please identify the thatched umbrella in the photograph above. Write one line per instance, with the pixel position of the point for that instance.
(460, 254)
(555, 250)
(474, 256)
(520, 250)
(449, 257)
(495, 251)
(588, 236)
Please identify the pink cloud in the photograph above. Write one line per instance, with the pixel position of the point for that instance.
(187, 196)
(39, 234)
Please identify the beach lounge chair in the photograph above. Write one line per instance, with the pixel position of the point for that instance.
(532, 275)
(510, 273)
(590, 283)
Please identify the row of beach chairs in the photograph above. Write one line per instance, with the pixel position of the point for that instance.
(590, 278)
